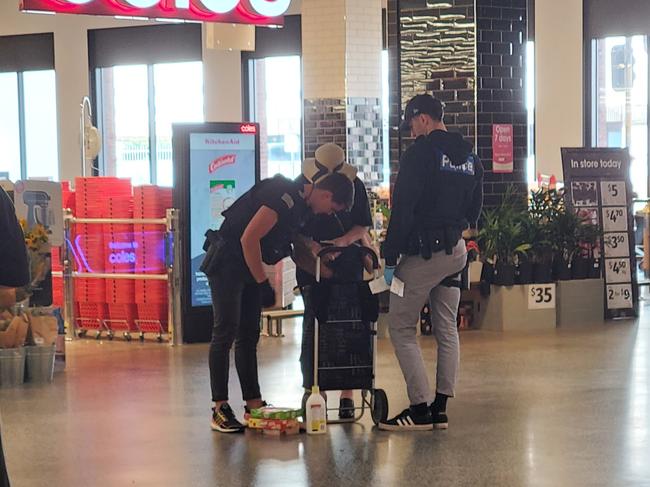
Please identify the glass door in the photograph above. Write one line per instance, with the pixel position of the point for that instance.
(275, 99)
(620, 102)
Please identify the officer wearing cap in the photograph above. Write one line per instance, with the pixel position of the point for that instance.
(341, 229)
(258, 229)
(438, 194)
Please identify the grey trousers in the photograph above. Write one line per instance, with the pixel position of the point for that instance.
(421, 282)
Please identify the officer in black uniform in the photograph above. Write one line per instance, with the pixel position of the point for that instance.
(437, 195)
(258, 228)
(341, 229)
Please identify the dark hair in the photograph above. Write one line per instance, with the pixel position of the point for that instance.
(340, 186)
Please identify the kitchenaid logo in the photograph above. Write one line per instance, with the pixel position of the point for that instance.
(226, 160)
(263, 12)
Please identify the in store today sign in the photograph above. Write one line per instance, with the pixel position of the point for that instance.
(256, 12)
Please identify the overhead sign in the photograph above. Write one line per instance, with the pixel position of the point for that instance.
(599, 187)
(502, 148)
(256, 12)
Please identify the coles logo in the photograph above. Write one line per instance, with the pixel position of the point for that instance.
(260, 12)
(248, 128)
(226, 160)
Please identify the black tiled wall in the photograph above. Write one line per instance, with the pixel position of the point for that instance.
(478, 90)
(325, 121)
(501, 50)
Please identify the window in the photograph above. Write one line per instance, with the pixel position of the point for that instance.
(276, 103)
(28, 128)
(138, 105)
(620, 101)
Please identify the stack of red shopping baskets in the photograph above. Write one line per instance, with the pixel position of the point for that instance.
(151, 295)
(120, 259)
(57, 282)
(91, 201)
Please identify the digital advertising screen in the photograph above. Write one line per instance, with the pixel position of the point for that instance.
(222, 168)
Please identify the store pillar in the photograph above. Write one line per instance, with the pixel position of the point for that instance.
(342, 44)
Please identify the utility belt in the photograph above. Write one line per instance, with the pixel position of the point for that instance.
(214, 247)
(217, 245)
(427, 242)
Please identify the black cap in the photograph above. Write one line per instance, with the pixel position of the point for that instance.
(422, 104)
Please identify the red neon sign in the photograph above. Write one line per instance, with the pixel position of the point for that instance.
(248, 128)
(257, 12)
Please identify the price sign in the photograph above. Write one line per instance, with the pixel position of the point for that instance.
(615, 219)
(613, 193)
(599, 181)
(541, 296)
(617, 270)
(616, 245)
(619, 296)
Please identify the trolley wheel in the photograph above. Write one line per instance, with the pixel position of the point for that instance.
(379, 406)
(128, 337)
(82, 333)
(142, 337)
(111, 336)
(159, 338)
(98, 335)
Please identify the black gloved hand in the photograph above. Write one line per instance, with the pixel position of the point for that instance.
(267, 294)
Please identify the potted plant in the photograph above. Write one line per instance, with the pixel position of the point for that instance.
(564, 234)
(501, 239)
(542, 211)
(583, 264)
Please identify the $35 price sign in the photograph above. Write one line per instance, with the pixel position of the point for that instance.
(541, 296)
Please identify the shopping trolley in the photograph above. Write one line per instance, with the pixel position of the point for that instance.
(345, 332)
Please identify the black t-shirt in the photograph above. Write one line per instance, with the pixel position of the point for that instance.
(328, 227)
(282, 196)
(14, 267)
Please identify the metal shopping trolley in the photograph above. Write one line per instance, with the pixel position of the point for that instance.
(345, 332)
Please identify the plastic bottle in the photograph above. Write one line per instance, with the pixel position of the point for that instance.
(315, 414)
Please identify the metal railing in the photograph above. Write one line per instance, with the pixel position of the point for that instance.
(171, 276)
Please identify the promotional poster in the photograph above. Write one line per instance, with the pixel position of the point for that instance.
(222, 168)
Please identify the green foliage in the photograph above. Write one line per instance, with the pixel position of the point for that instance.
(502, 236)
(511, 232)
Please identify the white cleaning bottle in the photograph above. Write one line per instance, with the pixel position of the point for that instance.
(315, 414)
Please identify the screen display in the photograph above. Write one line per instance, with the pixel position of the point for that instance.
(222, 168)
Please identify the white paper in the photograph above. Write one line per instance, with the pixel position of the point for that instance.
(397, 287)
(379, 285)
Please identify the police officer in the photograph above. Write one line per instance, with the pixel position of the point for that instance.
(438, 193)
(258, 228)
(341, 229)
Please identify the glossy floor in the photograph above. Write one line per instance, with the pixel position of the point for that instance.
(564, 408)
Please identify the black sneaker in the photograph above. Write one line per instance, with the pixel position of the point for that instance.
(408, 420)
(439, 418)
(346, 408)
(224, 420)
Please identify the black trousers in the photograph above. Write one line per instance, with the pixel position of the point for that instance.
(236, 306)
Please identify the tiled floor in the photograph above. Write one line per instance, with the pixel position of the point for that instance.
(565, 408)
